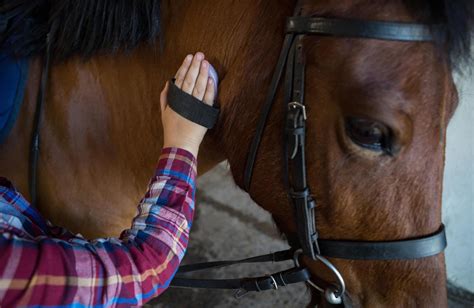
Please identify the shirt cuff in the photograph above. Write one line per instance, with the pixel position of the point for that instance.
(177, 160)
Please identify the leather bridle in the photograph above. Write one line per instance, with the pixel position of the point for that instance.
(298, 190)
(292, 58)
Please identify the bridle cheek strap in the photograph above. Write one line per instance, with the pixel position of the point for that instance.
(295, 161)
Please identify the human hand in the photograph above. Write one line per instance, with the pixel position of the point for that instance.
(193, 78)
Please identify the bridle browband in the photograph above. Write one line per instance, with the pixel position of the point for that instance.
(292, 58)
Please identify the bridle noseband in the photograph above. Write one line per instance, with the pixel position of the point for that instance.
(292, 58)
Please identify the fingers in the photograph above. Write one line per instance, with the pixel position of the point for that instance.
(181, 74)
(210, 93)
(193, 78)
(192, 74)
(201, 82)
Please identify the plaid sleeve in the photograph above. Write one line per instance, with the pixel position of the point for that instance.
(40, 269)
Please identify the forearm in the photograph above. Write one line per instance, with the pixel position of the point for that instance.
(42, 270)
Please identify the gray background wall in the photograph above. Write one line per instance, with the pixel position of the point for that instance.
(458, 196)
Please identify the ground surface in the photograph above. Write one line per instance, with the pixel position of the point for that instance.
(229, 225)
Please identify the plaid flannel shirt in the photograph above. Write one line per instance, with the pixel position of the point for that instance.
(43, 265)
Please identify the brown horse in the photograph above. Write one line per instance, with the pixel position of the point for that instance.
(101, 130)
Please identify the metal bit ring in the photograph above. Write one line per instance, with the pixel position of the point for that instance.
(338, 292)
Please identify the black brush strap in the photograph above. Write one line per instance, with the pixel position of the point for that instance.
(191, 108)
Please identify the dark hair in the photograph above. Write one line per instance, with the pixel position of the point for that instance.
(456, 19)
(82, 27)
(86, 27)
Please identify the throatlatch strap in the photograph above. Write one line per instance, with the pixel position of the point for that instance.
(267, 106)
(191, 108)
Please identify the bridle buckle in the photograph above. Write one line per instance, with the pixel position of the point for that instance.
(274, 283)
(296, 105)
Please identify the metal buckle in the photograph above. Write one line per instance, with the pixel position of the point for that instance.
(296, 254)
(299, 194)
(242, 292)
(282, 280)
(274, 283)
(298, 105)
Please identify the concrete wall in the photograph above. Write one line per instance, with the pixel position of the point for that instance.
(458, 196)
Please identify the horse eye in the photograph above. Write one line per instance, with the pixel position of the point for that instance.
(369, 134)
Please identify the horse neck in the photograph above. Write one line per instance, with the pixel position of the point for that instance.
(242, 40)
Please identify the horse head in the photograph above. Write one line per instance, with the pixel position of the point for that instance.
(377, 113)
(376, 118)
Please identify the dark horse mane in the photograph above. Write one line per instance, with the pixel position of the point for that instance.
(88, 27)
(77, 27)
